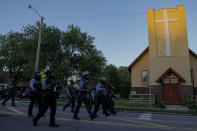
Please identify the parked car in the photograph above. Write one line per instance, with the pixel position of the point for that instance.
(3, 90)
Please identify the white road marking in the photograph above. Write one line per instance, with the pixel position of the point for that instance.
(145, 116)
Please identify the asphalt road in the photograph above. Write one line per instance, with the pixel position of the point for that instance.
(15, 119)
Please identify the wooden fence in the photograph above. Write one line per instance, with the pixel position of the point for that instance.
(143, 98)
(193, 98)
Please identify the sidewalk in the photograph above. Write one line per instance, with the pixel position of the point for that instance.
(176, 107)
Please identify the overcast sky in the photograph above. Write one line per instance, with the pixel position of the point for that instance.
(119, 26)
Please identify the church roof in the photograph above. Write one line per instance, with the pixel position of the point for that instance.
(137, 59)
(192, 53)
(170, 70)
(146, 50)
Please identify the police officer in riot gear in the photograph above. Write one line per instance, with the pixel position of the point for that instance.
(11, 92)
(71, 92)
(102, 96)
(48, 99)
(111, 97)
(93, 98)
(36, 89)
(83, 96)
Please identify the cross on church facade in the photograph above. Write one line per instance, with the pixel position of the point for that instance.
(166, 20)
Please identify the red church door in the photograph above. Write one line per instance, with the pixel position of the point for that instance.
(170, 93)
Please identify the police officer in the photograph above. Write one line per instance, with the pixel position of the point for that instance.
(111, 98)
(93, 98)
(83, 96)
(11, 92)
(102, 96)
(48, 99)
(71, 92)
(36, 89)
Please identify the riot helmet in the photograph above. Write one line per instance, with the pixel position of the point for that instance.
(102, 79)
(38, 76)
(85, 75)
(50, 74)
(72, 82)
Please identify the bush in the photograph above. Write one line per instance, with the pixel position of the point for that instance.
(160, 104)
(124, 92)
(184, 102)
(189, 103)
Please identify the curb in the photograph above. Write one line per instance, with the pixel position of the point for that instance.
(124, 109)
(155, 112)
(166, 113)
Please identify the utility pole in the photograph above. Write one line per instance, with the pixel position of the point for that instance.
(39, 42)
(39, 38)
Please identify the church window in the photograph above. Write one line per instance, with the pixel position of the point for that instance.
(144, 78)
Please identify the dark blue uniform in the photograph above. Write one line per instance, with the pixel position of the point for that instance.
(102, 99)
(11, 93)
(35, 95)
(94, 98)
(48, 99)
(72, 91)
(83, 97)
(111, 102)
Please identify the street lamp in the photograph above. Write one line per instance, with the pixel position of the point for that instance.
(39, 38)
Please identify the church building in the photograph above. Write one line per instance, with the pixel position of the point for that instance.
(167, 65)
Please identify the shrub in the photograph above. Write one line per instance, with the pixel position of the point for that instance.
(189, 103)
(124, 92)
(160, 104)
(184, 102)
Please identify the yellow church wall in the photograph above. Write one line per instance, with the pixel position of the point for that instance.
(159, 65)
(193, 65)
(177, 32)
(142, 64)
(168, 43)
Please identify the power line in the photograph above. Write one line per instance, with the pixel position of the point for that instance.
(100, 15)
(110, 15)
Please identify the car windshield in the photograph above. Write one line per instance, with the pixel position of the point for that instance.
(3, 85)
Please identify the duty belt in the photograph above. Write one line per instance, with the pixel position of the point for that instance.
(83, 91)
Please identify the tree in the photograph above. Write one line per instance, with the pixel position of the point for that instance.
(66, 53)
(120, 78)
(125, 79)
(12, 55)
(111, 73)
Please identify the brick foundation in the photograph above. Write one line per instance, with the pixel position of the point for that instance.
(195, 90)
(140, 90)
(184, 91)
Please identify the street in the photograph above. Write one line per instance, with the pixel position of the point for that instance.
(15, 119)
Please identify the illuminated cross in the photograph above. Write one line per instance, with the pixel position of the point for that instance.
(166, 20)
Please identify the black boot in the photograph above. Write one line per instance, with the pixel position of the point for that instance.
(64, 108)
(115, 112)
(76, 118)
(53, 125)
(107, 114)
(35, 123)
(95, 116)
(30, 115)
(92, 117)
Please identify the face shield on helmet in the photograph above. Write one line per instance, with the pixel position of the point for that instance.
(102, 79)
(50, 74)
(85, 75)
(72, 82)
(37, 76)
